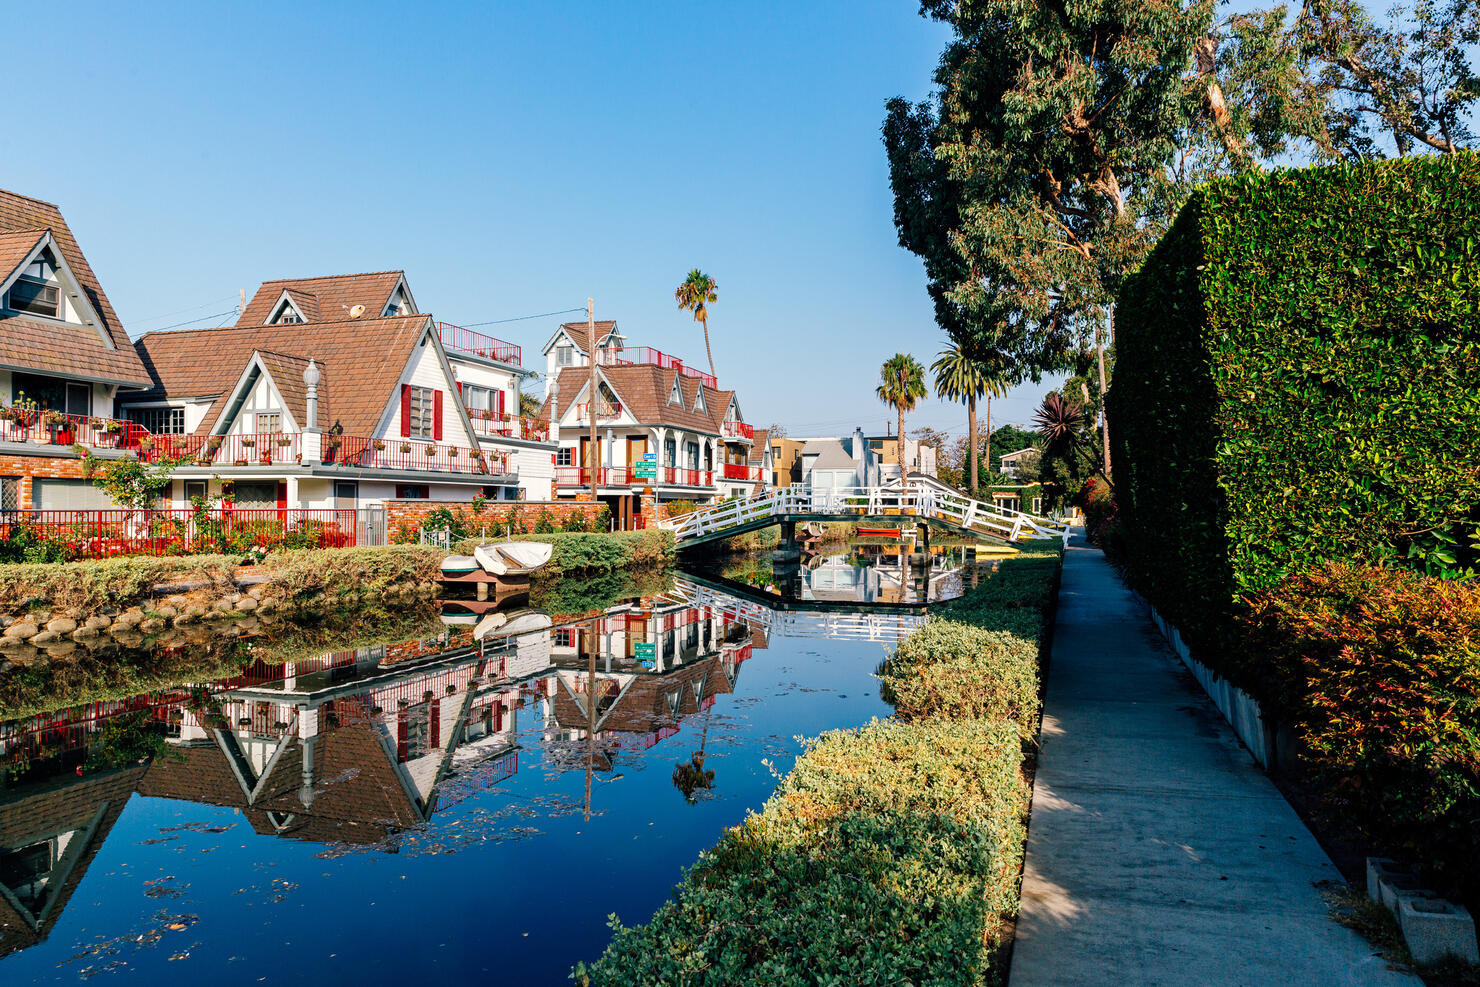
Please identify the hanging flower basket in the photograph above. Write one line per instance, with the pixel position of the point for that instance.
(378, 446)
(405, 446)
(248, 443)
(284, 442)
(214, 442)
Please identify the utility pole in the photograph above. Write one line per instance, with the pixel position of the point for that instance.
(594, 455)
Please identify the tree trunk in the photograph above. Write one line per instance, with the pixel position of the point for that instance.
(1100, 355)
(971, 430)
(989, 433)
(903, 471)
(705, 323)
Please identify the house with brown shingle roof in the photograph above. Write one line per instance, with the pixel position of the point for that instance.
(487, 370)
(691, 430)
(65, 359)
(569, 344)
(381, 419)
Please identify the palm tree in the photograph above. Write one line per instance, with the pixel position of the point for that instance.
(901, 384)
(694, 295)
(960, 378)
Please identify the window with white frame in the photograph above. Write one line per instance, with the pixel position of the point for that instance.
(565, 356)
(423, 412)
(160, 421)
(477, 398)
(269, 422)
(675, 396)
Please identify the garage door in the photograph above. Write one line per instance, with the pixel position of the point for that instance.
(65, 495)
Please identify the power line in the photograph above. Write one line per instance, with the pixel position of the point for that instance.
(523, 318)
(204, 318)
(178, 311)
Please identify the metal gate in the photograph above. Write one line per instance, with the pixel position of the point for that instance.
(370, 526)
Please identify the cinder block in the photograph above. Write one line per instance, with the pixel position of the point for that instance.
(1394, 886)
(1436, 930)
(1377, 869)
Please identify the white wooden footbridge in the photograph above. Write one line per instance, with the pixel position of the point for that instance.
(920, 500)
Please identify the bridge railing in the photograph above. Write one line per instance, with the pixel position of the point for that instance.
(915, 500)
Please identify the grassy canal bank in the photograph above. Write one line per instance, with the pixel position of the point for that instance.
(891, 853)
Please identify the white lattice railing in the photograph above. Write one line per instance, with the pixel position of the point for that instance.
(914, 500)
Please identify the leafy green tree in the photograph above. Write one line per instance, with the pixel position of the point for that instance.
(131, 482)
(901, 385)
(1366, 88)
(697, 292)
(960, 377)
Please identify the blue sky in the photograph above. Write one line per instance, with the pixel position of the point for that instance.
(513, 158)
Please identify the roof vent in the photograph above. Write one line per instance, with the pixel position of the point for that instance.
(357, 311)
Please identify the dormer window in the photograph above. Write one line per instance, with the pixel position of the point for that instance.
(286, 312)
(699, 401)
(37, 291)
(675, 396)
(397, 305)
(565, 356)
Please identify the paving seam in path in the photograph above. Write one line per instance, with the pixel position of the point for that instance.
(1158, 852)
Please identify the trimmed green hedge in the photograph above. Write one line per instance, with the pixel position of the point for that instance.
(889, 854)
(92, 584)
(1296, 380)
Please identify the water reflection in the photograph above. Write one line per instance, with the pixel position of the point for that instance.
(357, 750)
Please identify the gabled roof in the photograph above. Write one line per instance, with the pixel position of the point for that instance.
(327, 297)
(577, 333)
(1019, 452)
(47, 345)
(761, 444)
(831, 455)
(363, 357)
(643, 390)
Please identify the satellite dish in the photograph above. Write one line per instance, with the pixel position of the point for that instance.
(357, 311)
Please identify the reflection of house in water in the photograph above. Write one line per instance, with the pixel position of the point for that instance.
(49, 833)
(350, 747)
(647, 668)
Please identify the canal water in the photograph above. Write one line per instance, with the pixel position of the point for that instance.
(472, 803)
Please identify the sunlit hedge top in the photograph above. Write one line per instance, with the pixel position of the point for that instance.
(1298, 377)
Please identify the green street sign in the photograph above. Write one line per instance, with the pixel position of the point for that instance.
(646, 649)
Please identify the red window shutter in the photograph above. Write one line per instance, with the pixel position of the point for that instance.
(500, 408)
(406, 409)
(437, 415)
(459, 387)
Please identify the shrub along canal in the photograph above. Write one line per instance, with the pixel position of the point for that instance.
(438, 805)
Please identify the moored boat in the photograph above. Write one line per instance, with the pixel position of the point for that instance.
(513, 558)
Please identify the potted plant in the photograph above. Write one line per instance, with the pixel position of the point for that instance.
(335, 441)
(405, 447)
(214, 442)
(248, 442)
(284, 441)
(265, 458)
(378, 445)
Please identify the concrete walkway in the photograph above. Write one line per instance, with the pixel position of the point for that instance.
(1158, 853)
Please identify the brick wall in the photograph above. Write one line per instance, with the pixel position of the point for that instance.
(27, 467)
(413, 513)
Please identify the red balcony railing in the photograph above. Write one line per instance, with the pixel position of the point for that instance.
(477, 344)
(604, 409)
(407, 454)
(626, 476)
(738, 430)
(509, 426)
(257, 449)
(631, 355)
(739, 471)
(54, 428)
(106, 533)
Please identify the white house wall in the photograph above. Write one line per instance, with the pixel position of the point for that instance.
(425, 370)
(263, 397)
(536, 472)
